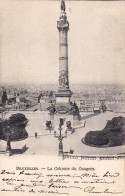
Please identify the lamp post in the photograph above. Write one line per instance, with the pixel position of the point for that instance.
(8, 148)
(60, 138)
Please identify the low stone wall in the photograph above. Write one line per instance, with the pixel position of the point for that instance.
(93, 157)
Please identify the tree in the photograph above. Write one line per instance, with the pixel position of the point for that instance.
(4, 97)
(13, 129)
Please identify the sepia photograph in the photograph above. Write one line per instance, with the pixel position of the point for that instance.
(62, 98)
(62, 79)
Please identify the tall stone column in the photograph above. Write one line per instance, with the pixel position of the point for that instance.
(64, 93)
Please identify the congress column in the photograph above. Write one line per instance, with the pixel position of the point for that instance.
(64, 92)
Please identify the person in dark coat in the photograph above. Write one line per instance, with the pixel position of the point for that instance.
(35, 135)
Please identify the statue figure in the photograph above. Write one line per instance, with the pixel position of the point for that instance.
(48, 125)
(63, 5)
(68, 124)
(63, 79)
(69, 127)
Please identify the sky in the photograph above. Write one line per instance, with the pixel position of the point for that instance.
(30, 42)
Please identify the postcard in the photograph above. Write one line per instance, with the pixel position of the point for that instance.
(62, 97)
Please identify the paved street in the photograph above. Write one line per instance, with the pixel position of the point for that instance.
(46, 144)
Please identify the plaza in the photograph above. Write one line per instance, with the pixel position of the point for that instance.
(46, 144)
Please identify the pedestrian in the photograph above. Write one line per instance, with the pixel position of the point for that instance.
(35, 135)
(84, 123)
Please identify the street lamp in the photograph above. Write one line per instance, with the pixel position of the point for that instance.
(7, 131)
(8, 148)
(60, 138)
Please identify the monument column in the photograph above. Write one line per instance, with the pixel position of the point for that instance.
(64, 93)
(63, 111)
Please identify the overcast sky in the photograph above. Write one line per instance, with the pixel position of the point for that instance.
(29, 37)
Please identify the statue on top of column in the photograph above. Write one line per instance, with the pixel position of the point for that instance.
(63, 5)
(63, 24)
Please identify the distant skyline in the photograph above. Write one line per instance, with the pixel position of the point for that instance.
(30, 39)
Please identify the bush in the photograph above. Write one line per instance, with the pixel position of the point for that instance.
(116, 124)
(17, 118)
(16, 134)
(14, 127)
(115, 138)
(96, 138)
(112, 135)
